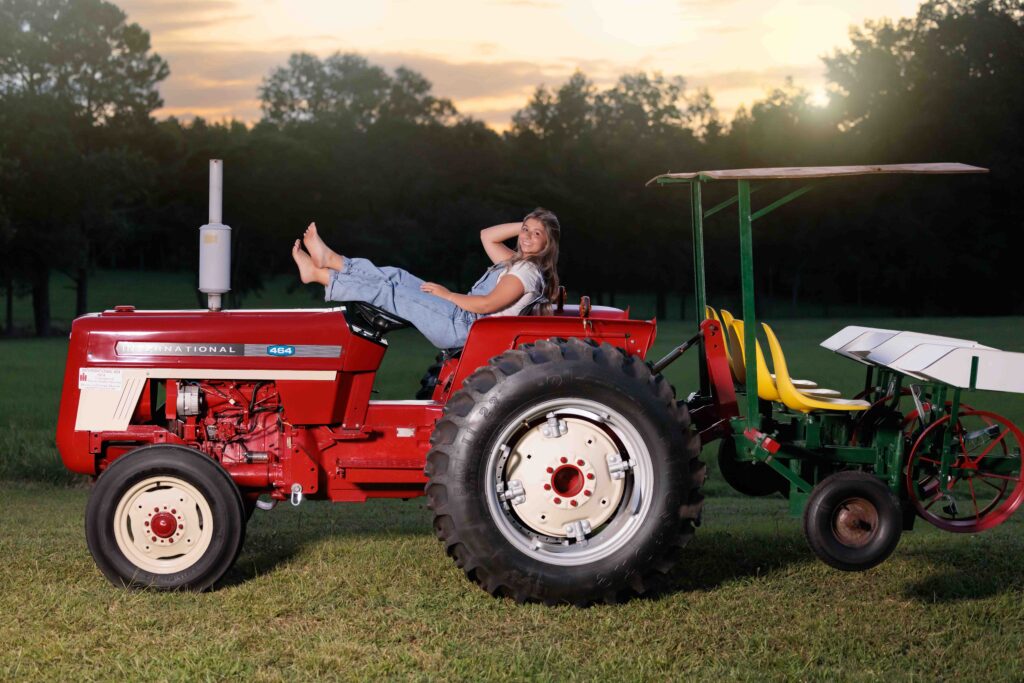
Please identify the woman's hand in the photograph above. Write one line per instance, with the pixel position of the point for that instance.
(436, 290)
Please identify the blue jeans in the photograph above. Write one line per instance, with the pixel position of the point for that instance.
(397, 291)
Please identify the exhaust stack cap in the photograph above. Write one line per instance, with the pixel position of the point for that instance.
(215, 243)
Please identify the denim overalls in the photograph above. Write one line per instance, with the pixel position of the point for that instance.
(397, 291)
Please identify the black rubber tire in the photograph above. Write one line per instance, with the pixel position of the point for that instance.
(748, 478)
(476, 415)
(194, 468)
(820, 514)
(248, 507)
(429, 379)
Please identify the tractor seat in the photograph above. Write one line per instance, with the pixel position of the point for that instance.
(539, 306)
(767, 386)
(737, 362)
(802, 401)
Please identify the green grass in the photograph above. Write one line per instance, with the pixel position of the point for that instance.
(366, 592)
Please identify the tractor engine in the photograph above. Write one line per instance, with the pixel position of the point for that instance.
(237, 423)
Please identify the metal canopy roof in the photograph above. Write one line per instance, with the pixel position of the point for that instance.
(814, 172)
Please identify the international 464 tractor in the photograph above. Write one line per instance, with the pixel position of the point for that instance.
(559, 464)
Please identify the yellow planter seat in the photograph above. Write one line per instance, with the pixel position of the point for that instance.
(793, 397)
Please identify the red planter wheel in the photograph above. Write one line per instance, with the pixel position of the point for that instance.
(911, 418)
(986, 477)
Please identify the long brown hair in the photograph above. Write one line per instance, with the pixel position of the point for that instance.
(547, 258)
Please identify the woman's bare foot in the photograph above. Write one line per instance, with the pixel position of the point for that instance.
(322, 255)
(308, 272)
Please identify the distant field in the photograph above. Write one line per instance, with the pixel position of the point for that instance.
(156, 290)
(365, 591)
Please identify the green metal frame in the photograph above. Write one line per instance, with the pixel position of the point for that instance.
(812, 445)
(746, 220)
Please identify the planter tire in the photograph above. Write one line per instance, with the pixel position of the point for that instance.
(748, 478)
(852, 521)
(165, 517)
(557, 421)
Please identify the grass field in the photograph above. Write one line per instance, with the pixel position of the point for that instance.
(366, 592)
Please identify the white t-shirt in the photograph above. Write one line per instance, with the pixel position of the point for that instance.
(533, 286)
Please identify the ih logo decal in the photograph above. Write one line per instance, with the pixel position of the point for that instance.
(280, 350)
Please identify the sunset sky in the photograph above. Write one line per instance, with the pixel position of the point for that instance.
(489, 55)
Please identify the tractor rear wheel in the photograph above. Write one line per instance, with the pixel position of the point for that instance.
(852, 521)
(564, 472)
(165, 517)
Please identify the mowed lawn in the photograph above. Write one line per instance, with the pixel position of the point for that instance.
(365, 591)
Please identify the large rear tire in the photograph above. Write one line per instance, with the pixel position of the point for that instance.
(165, 517)
(565, 472)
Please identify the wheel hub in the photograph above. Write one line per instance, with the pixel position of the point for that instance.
(565, 477)
(855, 522)
(164, 524)
(567, 481)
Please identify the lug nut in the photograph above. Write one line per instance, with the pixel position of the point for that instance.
(586, 492)
(590, 475)
(547, 487)
(550, 470)
(572, 502)
(565, 460)
(580, 463)
(558, 501)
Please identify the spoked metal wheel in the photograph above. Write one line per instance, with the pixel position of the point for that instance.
(163, 525)
(981, 484)
(571, 481)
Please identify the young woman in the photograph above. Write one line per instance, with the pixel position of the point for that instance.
(518, 278)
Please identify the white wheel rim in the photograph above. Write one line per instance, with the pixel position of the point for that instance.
(146, 536)
(557, 519)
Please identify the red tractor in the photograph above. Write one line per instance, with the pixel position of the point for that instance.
(558, 466)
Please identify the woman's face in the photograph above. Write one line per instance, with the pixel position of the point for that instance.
(533, 237)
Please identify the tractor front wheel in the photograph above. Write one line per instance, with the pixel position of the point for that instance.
(564, 472)
(165, 517)
(852, 521)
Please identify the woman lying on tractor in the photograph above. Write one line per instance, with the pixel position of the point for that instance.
(442, 316)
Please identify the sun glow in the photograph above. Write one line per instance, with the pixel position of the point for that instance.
(489, 55)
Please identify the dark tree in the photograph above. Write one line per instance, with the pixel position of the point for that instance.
(348, 90)
(99, 72)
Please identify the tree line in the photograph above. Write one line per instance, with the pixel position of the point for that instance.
(392, 171)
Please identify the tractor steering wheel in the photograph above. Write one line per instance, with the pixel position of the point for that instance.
(370, 319)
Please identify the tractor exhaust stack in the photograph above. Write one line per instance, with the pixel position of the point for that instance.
(215, 243)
